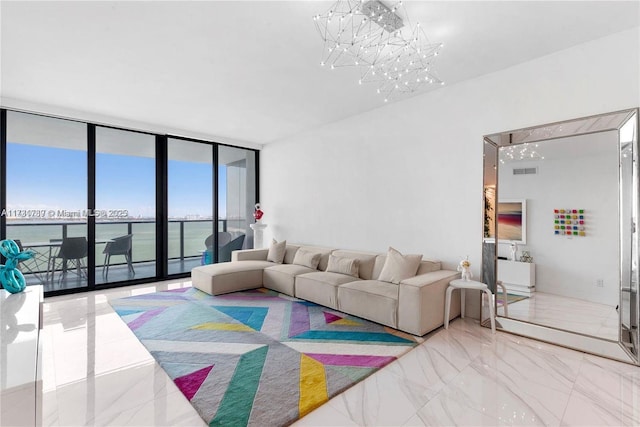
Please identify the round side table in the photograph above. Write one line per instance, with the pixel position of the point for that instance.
(463, 285)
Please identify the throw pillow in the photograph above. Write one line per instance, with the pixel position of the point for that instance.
(307, 258)
(343, 265)
(276, 251)
(398, 267)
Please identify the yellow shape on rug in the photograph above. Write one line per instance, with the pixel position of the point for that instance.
(212, 326)
(313, 385)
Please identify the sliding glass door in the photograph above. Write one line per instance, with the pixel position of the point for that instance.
(101, 206)
(190, 205)
(46, 198)
(125, 214)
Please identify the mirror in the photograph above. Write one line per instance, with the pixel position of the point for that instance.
(560, 247)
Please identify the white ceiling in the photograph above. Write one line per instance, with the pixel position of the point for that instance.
(249, 70)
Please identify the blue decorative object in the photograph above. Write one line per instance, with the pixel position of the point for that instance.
(10, 277)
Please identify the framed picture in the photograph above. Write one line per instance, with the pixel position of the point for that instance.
(512, 221)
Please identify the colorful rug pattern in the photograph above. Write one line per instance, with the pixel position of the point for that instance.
(257, 357)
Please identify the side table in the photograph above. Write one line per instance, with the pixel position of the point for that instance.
(463, 285)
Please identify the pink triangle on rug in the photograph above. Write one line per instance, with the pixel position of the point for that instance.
(330, 317)
(190, 384)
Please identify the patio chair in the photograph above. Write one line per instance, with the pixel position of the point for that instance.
(224, 237)
(118, 246)
(72, 252)
(234, 245)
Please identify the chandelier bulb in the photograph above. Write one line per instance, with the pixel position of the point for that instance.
(333, 67)
(360, 81)
(441, 83)
(322, 64)
(385, 100)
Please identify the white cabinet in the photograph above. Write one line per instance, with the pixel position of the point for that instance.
(20, 357)
(518, 277)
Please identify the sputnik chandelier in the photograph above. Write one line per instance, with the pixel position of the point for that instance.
(367, 34)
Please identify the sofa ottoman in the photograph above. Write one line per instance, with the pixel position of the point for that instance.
(225, 277)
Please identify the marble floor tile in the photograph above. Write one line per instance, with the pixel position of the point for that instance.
(605, 393)
(97, 373)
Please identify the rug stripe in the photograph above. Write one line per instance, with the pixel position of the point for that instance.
(253, 317)
(236, 404)
(313, 385)
(199, 347)
(351, 336)
(144, 318)
(212, 326)
(352, 360)
(347, 348)
(299, 319)
(190, 384)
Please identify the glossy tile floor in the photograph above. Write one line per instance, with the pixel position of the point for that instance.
(566, 313)
(97, 373)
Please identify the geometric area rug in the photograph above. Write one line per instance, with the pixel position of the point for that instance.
(257, 357)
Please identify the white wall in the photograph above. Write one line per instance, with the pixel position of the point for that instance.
(409, 174)
(585, 176)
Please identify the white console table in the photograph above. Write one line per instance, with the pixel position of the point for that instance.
(21, 357)
(518, 277)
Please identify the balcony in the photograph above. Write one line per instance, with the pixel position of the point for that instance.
(185, 248)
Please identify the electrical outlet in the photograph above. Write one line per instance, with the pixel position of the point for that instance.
(600, 283)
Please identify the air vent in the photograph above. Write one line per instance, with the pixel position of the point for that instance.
(525, 171)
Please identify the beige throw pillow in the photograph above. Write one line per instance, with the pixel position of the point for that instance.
(307, 258)
(276, 251)
(398, 267)
(343, 265)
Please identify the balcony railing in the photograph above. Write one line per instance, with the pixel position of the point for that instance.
(185, 237)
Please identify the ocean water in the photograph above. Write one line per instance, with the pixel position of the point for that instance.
(144, 236)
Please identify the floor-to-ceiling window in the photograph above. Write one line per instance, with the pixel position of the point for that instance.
(104, 206)
(46, 197)
(125, 212)
(236, 198)
(190, 204)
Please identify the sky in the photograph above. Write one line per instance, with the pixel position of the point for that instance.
(49, 178)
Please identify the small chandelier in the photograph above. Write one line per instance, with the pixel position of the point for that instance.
(522, 152)
(369, 35)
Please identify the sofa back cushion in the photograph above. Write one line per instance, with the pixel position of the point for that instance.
(276, 251)
(307, 258)
(366, 261)
(324, 255)
(398, 267)
(290, 253)
(429, 265)
(343, 265)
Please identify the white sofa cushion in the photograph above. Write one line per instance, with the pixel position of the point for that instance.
(343, 265)
(277, 251)
(398, 267)
(281, 277)
(366, 261)
(307, 258)
(321, 287)
(370, 299)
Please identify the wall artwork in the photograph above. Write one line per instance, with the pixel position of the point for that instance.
(569, 222)
(512, 221)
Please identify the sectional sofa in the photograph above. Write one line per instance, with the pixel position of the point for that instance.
(348, 281)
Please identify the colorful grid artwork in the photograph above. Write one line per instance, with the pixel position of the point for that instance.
(569, 222)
